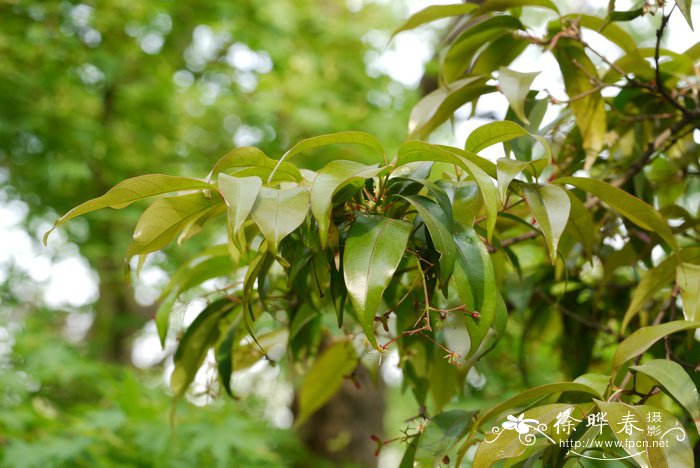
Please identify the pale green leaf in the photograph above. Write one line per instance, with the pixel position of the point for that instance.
(685, 6)
(501, 5)
(643, 338)
(325, 378)
(250, 161)
(676, 382)
(627, 205)
(515, 86)
(688, 280)
(498, 132)
(607, 29)
(329, 180)
(373, 250)
(131, 190)
(580, 225)
(550, 206)
(434, 13)
(507, 170)
(278, 213)
(621, 415)
(240, 195)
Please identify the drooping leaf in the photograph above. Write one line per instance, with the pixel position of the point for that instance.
(498, 132)
(441, 434)
(642, 339)
(438, 224)
(688, 280)
(250, 161)
(508, 169)
(476, 284)
(240, 195)
(580, 225)
(500, 5)
(515, 86)
(550, 206)
(438, 106)
(372, 253)
(278, 212)
(656, 279)
(131, 190)
(627, 205)
(676, 382)
(329, 180)
(685, 6)
(466, 203)
(325, 378)
(434, 13)
(586, 104)
(415, 151)
(161, 222)
(224, 358)
(619, 416)
(201, 335)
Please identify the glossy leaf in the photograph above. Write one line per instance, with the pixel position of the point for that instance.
(617, 414)
(627, 205)
(329, 180)
(498, 132)
(440, 434)
(161, 222)
(278, 213)
(201, 335)
(373, 250)
(438, 106)
(438, 224)
(676, 382)
(688, 280)
(550, 206)
(240, 195)
(129, 191)
(325, 378)
(476, 284)
(642, 339)
(580, 224)
(515, 86)
(434, 13)
(250, 161)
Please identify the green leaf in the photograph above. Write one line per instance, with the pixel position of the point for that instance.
(688, 280)
(412, 151)
(627, 205)
(279, 212)
(642, 339)
(607, 29)
(501, 5)
(165, 218)
(676, 382)
(224, 358)
(433, 13)
(476, 284)
(420, 151)
(240, 195)
(329, 180)
(466, 203)
(656, 279)
(587, 106)
(498, 132)
(440, 435)
(515, 86)
(325, 378)
(373, 250)
(507, 170)
(550, 206)
(251, 161)
(129, 191)
(201, 335)
(438, 106)
(685, 6)
(580, 224)
(618, 415)
(438, 224)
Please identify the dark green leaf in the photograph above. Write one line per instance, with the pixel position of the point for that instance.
(441, 434)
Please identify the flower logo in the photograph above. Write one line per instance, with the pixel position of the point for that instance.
(520, 424)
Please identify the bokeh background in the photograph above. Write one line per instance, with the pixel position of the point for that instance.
(95, 92)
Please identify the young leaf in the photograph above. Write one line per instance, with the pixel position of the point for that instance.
(498, 132)
(130, 190)
(279, 212)
(201, 335)
(240, 195)
(438, 224)
(627, 205)
(438, 106)
(688, 280)
(476, 284)
(515, 86)
(325, 378)
(161, 222)
(676, 382)
(550, 206)
(251, 161)
(329, 180)
(373, 250)
(434, 13)
(642, 339)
